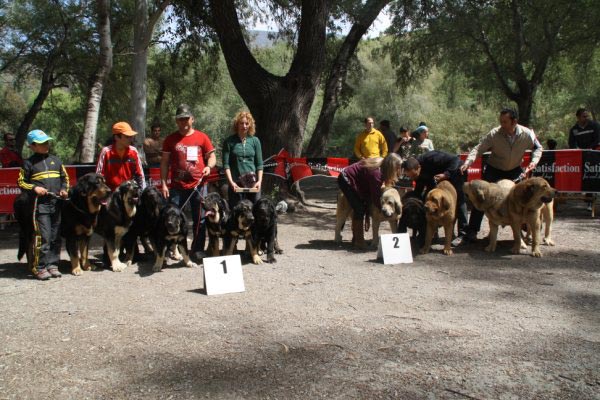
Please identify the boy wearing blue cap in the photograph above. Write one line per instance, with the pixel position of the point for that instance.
(42, 174)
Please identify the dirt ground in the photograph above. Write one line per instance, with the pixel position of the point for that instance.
(323, 322)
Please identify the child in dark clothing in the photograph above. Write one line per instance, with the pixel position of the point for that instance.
(43, 174)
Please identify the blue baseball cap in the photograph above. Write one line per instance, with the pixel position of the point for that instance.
(37, 136)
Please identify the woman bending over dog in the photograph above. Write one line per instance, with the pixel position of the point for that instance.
(362, 183)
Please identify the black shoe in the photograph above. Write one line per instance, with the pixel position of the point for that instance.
(462, 240)
(197, 256)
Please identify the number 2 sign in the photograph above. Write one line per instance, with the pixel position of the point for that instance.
(223, 275)
(395, 248)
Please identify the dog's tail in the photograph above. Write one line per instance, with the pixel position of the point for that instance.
(22, 245)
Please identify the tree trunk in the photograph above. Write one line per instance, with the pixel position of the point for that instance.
(48, 83)
(139, 73)
(280, 105)
(105, 62)
(143, 27)
(337, 77)
(525, 107)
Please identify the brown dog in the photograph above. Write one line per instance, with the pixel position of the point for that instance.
(525, 203)
(440, 210)
(491, 198)
(391, 211)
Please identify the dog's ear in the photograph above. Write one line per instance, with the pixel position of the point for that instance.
(398, 207)
(479, 195)
(444, 203)
(529, 191)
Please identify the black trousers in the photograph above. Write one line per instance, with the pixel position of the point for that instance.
(491, 175)
(46, 248)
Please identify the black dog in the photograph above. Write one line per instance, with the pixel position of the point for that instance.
(239, 225)
(171, 230)
(413, 217)
(216, 213)
(264, 230)
(80, 217)
(144, 222)
(115, 220)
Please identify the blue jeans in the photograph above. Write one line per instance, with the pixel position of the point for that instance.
(179, 197)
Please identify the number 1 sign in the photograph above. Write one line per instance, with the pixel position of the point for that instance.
(223, 275)
(395, 248)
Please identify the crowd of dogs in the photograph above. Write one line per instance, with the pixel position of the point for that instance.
(526, 207)
(128, 214)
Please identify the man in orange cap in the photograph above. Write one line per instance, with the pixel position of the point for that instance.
(120, 161)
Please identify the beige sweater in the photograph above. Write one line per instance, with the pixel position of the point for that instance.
(506, 154)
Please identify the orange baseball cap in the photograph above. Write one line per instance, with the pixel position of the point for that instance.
(123, 128)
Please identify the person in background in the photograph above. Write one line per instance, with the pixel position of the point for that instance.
(370, 142)
(507, 144)
(429, 169)
(361, 183)
(120, 161)
(403, 145)
(421, 143)
(388, 133)
(153, 145)
(242, 159)
(551, 143)
(585, 134)
(42, 175)
(8, 155)
(188, 156)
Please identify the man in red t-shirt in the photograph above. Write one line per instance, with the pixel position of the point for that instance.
(8, 155)
(188, 155)
(120, 161)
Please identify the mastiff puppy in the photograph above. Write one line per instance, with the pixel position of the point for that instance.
(389, 209)
(491, 199)
(171, 230)
(239, 226)
(216, 213)
(80, 218)
(440, 210)
(525, 203)
(145, 222)
(264, 230)
(115, 220)
(413, 217)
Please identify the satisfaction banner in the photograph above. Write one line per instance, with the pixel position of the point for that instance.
(566, 170)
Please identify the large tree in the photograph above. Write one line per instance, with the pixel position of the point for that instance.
(505, 44)
(281, 104)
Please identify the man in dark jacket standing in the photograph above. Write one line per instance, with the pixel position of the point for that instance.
(585, 134)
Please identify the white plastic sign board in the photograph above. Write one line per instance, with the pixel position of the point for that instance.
(223, 275)
(395, 248)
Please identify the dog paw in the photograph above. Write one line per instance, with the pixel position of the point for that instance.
(489, 248)
(157, 267)
(536, 253)
(516, 250)
(448, 252)
(278, 251)
(423, 251)
(271, 259)
(190, 264)
(119, 267)
(77, 271)
(548, 242)
(256, 260)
